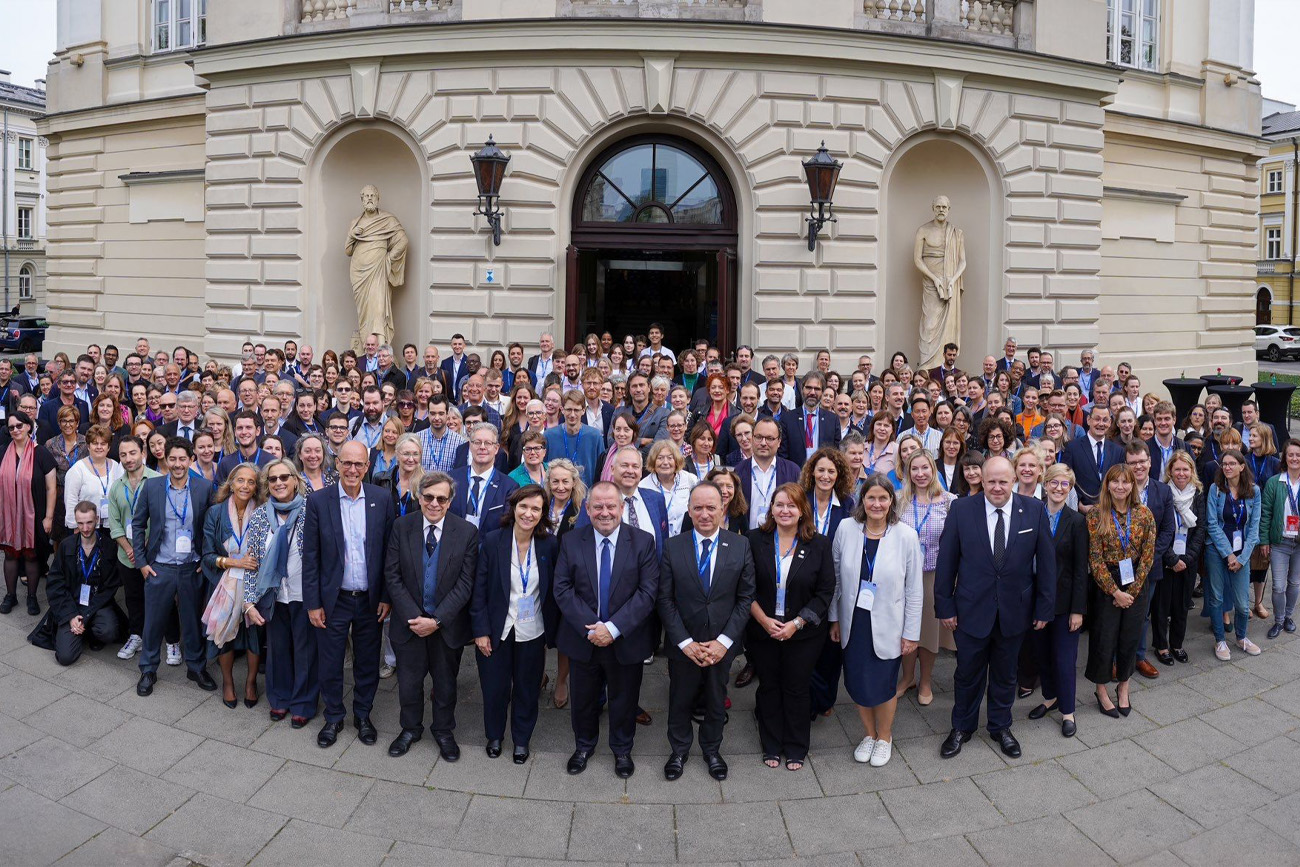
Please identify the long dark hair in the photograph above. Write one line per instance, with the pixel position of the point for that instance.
(1245, 482)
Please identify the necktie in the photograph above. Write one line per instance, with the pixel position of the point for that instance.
(473, 496)
(631, 512)
(1099, 458)
(704, 564)
(999, 541)
(430, 569)
(185, 432)
(606, 568)
(808, 430)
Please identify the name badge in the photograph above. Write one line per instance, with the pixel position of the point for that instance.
(780, 601)
(84, 598)
(1237, 542)
(527, 611)
(103, 508)
(866, 595)
(2, 412)
(1180, 543)
(1291, 528)
(1125, 572)
(183, 544)
(126, 531)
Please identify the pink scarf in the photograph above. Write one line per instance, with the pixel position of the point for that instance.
(17, 508)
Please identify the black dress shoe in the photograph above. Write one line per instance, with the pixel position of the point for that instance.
(1007, 741)
(717, 767)
(366, 732)
(1068, 728)
(203, 679)
(624, 767)
(1113, 713)
(145, 685)
(952, 744)
(673, 767)
(1124, 710)
(521, 754)
(329, 733)
(578, 762)
(447, 747)
(1040, 711)
(403, 742)
(1275, 630)
(1165, 657)
(1180, 654)
(493, 749)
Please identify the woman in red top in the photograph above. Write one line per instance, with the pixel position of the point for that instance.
(719, 410)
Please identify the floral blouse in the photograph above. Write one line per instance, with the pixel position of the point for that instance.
(1105, 552)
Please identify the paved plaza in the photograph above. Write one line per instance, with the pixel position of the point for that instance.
(1206, 771)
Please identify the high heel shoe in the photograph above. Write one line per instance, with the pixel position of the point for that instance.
(251, 702)
(1124, 709)
(230, 702)
(1113, 712)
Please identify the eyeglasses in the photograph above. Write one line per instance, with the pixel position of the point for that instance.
(169, 405)
(765, 439)
(283, 477)
(406, 404)
(352, 465)
(440, 499)
(1059, 483)
(534, 449)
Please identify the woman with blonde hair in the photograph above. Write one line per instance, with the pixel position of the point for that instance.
(217, 423)
(566, 493)
(1173, 594)
(1028, 464)
(667, 475)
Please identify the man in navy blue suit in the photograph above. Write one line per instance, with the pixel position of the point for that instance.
(606, 582)
(343, 543)
(1090, 456)
(480, 488)
(809, 427)
(1000, 544)
(762, 474)
(455, 365)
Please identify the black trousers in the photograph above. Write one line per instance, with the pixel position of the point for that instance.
(354, 615)
(420, 657)
(824, 685)
(511, 679)
(687, 683)
(1169, 609)
(291, 660)
(990, 660)
(783, 698)
(1115, 635)
(102, 626)
(587, 680)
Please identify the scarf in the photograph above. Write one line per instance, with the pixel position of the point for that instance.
(17, 506)
(1183, 504)
(275, 564)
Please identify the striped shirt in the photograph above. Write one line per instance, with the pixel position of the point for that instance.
(439, 454)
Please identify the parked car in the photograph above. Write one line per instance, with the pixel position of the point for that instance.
(1276, 342)
(22, 334)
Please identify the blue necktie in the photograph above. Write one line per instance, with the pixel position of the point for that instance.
(606, 568)
(1099, 459)
(473, 496)
(704, 564)
(430, 570)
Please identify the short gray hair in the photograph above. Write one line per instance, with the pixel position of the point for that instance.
(187, 396)
(483, 426)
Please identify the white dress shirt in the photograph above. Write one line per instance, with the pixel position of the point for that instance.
(613, 552)
(761, 491)
(991, 512)
(643, 519)
(523, 631)
(713, 566)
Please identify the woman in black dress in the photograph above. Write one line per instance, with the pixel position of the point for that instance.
(28, 494)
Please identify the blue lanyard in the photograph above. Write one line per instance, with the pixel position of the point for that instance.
(1254, 461)
(526, 567)
(473, 500)
(237, 536)
(871, 561)
(1238, 512)
(1125, 534)
(403, 500)
(823, 526)
(1053, 521)
(371, 442)
(668, 497)
(702, 566)
(1292, 494)
(1145, 488)
(103, 483)
(131, 498)
(572, 451)
(771, 486)
(943, 479)
(87, 568)
(185, 505)
(870, 462)
(919, 526)
(780, 558)
(76, 450)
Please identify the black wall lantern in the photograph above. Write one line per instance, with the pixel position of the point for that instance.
(489, 170)
(823, 172)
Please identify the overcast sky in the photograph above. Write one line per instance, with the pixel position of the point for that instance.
(27, 42)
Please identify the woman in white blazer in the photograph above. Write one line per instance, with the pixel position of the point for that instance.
(876, 611)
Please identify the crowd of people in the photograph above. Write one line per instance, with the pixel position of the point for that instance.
(387, 511)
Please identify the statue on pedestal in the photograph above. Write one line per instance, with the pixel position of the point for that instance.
(940, 256)
(377, 244)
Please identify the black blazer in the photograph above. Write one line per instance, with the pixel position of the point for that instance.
(1195, 540)
(63, 586)
(793, 431)
(490, 602)
(1161, 503)
(324, 554)
(1080, 456)
(404, 575)
(810, 585)
(1072, 576)
(686, 611)
(634, 583)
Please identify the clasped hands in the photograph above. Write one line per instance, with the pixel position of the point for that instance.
(599, 634)
(705, 653)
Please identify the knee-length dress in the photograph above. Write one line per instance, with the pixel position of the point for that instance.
(869, 680)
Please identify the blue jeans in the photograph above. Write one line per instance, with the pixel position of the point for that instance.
(1285, 560)
(1227, 587)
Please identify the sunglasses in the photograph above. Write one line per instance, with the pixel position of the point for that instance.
(283, 477)
(406, 404)
(169, 405)
(14, 428)
(440, 499)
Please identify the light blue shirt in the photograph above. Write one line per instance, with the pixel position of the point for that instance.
(353, 512)
(178, 504)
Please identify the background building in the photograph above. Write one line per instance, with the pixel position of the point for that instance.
(1100, 155)
(1277, 215)
(22, 197)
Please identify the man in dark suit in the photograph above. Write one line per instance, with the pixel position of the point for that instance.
(166, 533)
(343, 590)
(1001, 545)
(1250, 418)
(10, 389)
(545, 362)
(643, 508)
(606, 579)
(762, 474)
(809, 427)
(82, 581)
(1166, 441)
(1157, 497)
(455, 366)
(1090, 456)
(429, 568)
(49, 412)
(479, 489)
(187, 413)
(949, 365)
(705, 591)
(1008, 355)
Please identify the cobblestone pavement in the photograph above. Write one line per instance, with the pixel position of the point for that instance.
(1206, 770)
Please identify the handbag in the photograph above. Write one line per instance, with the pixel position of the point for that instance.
(1258, 559)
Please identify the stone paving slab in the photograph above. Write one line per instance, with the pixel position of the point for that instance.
(91, 774)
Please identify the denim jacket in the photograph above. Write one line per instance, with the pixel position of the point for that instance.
(1218, 538)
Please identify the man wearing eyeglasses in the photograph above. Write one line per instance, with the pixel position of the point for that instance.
(49, 412)
(336, 434)
(481, 489)
(763, 473)
(430, 568)
(344, 540)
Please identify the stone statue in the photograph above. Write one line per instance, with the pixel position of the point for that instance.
(940, 256)
(377, 244)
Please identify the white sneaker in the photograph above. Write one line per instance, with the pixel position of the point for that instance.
(131, 648)
(1222, 652)
(865, 750)
(881, 752)
(173, 654)
(386, 671)
(1249, 646)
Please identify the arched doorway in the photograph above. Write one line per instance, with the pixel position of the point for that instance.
(654, 240)
(1263, 306)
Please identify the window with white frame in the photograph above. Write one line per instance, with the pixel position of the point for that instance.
(179, 24)
(1273, 242)
(25, 223)
(25, 154)
(1131, 33)
(1274, 183)
(26, 277)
